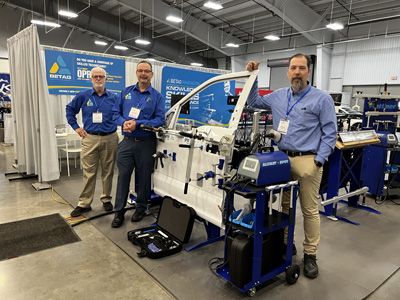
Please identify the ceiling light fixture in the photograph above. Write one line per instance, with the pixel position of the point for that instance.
(213, 5)
(272, 37)
(196, 64)
(46, 23)
(335, 26)
(174, 19)
(120, 47)
(232, 45)
(151, 59)
(101, 43)
(142, 42)
(66, 13)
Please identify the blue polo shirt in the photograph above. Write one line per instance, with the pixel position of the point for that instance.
(90, 103)
(311, 115)
(150, 103)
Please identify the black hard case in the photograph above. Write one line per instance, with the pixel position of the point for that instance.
(240, 255)
(173, 229)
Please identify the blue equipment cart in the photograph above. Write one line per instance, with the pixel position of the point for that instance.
(254, 245)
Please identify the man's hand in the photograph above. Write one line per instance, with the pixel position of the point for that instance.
(81, 132)
(252, 65)
(129, 126)
(317, 163)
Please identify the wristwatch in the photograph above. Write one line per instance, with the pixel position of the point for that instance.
(317, 163)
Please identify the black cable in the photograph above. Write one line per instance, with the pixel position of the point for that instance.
(391, 275)
(213, 261)
(394, 201)
(219, 260)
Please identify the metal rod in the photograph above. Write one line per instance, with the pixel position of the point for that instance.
(335, 199)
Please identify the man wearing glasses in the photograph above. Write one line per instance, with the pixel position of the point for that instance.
(99, 139)
(138, 105)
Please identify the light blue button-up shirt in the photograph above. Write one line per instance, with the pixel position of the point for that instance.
(312, 121)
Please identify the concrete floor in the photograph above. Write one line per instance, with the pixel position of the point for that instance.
(94, 268)
(98, 268)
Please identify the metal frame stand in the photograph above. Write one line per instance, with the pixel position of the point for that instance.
(345, 165)
(262, 226)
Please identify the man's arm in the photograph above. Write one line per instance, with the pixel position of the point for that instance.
(327, 120)
(72, 109)
(254, 99)
(117, 110)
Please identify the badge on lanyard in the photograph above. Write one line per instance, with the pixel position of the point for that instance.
(97, 117)
(134, 113)
(283, 126)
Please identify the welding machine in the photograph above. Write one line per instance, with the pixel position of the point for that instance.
(266, 168)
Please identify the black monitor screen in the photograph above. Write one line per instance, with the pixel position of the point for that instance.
(185, 108)
(232, 100)
(337, 98)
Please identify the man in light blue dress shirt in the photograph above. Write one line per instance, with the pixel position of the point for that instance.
(305, 117)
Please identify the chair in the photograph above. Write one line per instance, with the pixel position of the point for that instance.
(68, 142)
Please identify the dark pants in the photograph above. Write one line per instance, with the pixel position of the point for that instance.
(135, 154)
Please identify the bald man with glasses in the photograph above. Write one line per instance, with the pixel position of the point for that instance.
(99, 139)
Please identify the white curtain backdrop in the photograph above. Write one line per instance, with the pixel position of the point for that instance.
(36, 144)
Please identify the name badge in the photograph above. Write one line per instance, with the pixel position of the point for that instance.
(97, 117)
(283, 126)
(134, 113)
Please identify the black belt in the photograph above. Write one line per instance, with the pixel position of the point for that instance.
(100, 133)
(297, 153)
(140, 138)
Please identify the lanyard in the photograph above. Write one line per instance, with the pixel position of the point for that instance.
(143, 99)
(93, 98)
(289, 97)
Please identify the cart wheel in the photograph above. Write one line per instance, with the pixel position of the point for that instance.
(292, 274)
(251, 292)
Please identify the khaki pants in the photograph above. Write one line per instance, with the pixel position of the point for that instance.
(309, 176)
(98, 150)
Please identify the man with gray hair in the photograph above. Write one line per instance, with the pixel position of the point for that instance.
(99, 139)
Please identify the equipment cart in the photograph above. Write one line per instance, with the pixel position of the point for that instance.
(254, 245)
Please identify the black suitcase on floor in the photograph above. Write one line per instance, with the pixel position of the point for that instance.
(240, 255)
(173, 229)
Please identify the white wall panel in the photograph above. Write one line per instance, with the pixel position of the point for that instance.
(4, 65)
(323, 67)
(373, 61)
(239, 62)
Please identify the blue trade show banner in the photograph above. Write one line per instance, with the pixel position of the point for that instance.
(69, 73)
(210, 106)
(5, 88)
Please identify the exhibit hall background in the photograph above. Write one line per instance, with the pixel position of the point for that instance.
(58, 102)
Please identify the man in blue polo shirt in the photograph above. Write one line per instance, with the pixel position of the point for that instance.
(99, 139)
(139, 104)
(305, 117)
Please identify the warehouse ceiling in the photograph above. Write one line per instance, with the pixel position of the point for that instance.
(204, 35)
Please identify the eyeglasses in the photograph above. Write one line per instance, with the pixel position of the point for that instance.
(98, 76)
(143, 71)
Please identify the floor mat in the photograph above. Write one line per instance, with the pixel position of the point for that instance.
(31, 235)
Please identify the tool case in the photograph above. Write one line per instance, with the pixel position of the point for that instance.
(172, 230)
